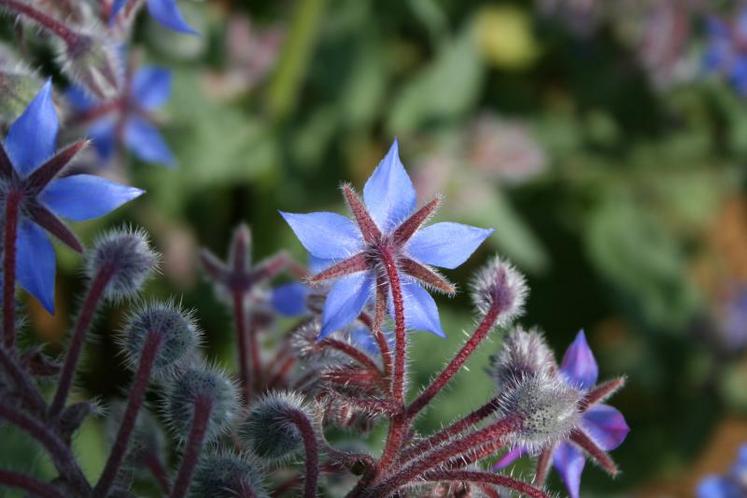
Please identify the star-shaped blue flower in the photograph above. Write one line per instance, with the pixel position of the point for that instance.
(602, 428)
(387, 227)
(31, 171)
(128, 119)
(725, 49)
(165, 12)
(731, 485)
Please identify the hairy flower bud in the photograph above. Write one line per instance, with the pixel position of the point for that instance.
(546, 406)
(127, 254)
(90, 59)
(178, 336)
(498, 285)
(227, 475)
(523, 353)
(268, 429)
(193, 386)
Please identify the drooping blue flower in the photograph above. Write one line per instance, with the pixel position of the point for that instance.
(290, 299)
(128, 120)
(386, 229)
(725, 51)
(165, 12)
(602, 428)
(30, 168)
(730, 485)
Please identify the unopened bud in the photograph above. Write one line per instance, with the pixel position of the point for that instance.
(268, 429)
(499, 286)
(228, 475)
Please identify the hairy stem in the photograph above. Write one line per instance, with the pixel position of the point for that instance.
(451, 431)
(134, 404)
(437, 457)
(25, 386)
(239, 314)
(153, 463)
(202, 411)
(82, 325)
(28, 484)
(12, 206)
(352, 352)
(456, 363)
(486, 477)
(62, 457)
(311, 447)
(254, 352)
(50, 24)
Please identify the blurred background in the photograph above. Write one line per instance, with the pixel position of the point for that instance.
(604, 140)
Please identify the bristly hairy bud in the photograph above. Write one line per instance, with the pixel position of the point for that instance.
(206, 384)
(228, 475)
(268, 429)
(523, 353)
(18, 85)
(499, 285)
(178, 334)
(92, 61)
(127, 254)
(546, 406)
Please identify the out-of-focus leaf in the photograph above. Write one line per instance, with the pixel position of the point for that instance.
(640, 258)
(504, 36)
(364, 91)
(442, 90)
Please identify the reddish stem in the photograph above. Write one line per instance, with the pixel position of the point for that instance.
(435, 458)
(12, 206)
(352, 352)
(239, 314)
(378, 322)
(486, 325)
(25, 386)
(82, 325)
(70, 37)
(543, 466)
(202, 411)
(134, 404)
(311, 447)
(63, 459)
(485, 477)
(398, 424)
(453, 430)
(154, 464)
(281, 373)
(29, 484)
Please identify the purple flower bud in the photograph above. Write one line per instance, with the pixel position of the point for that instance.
(546, 406)
(269, 431)
(179, 336)
(201, 383)
(228, 475)
(523, 354)
(127, 254)
(500, 286)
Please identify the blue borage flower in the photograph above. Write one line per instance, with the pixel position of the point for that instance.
(352, 252)
(730, 485)
(128, 119)
(165, 12)
(30, 169)
(602, 428)
(725, 49)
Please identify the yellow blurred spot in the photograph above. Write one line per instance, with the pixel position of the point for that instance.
(504, 37)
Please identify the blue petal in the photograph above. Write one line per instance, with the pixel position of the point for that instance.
(84, 197)
(738, 75)
(290, 299)
(79, 99)
(740, 466)
(151, 86)
(167, 13)
(32, 137)
(363, 338)
(421, 312)
(103, 134)
(718, 487)
(388, 193)
(146, 142)
(35, 266)
(579, 364)
(508, 458)
(740, 26)
(345, 301)
(606, 425)
(447, 245)
(569, 461)
(325, 235)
